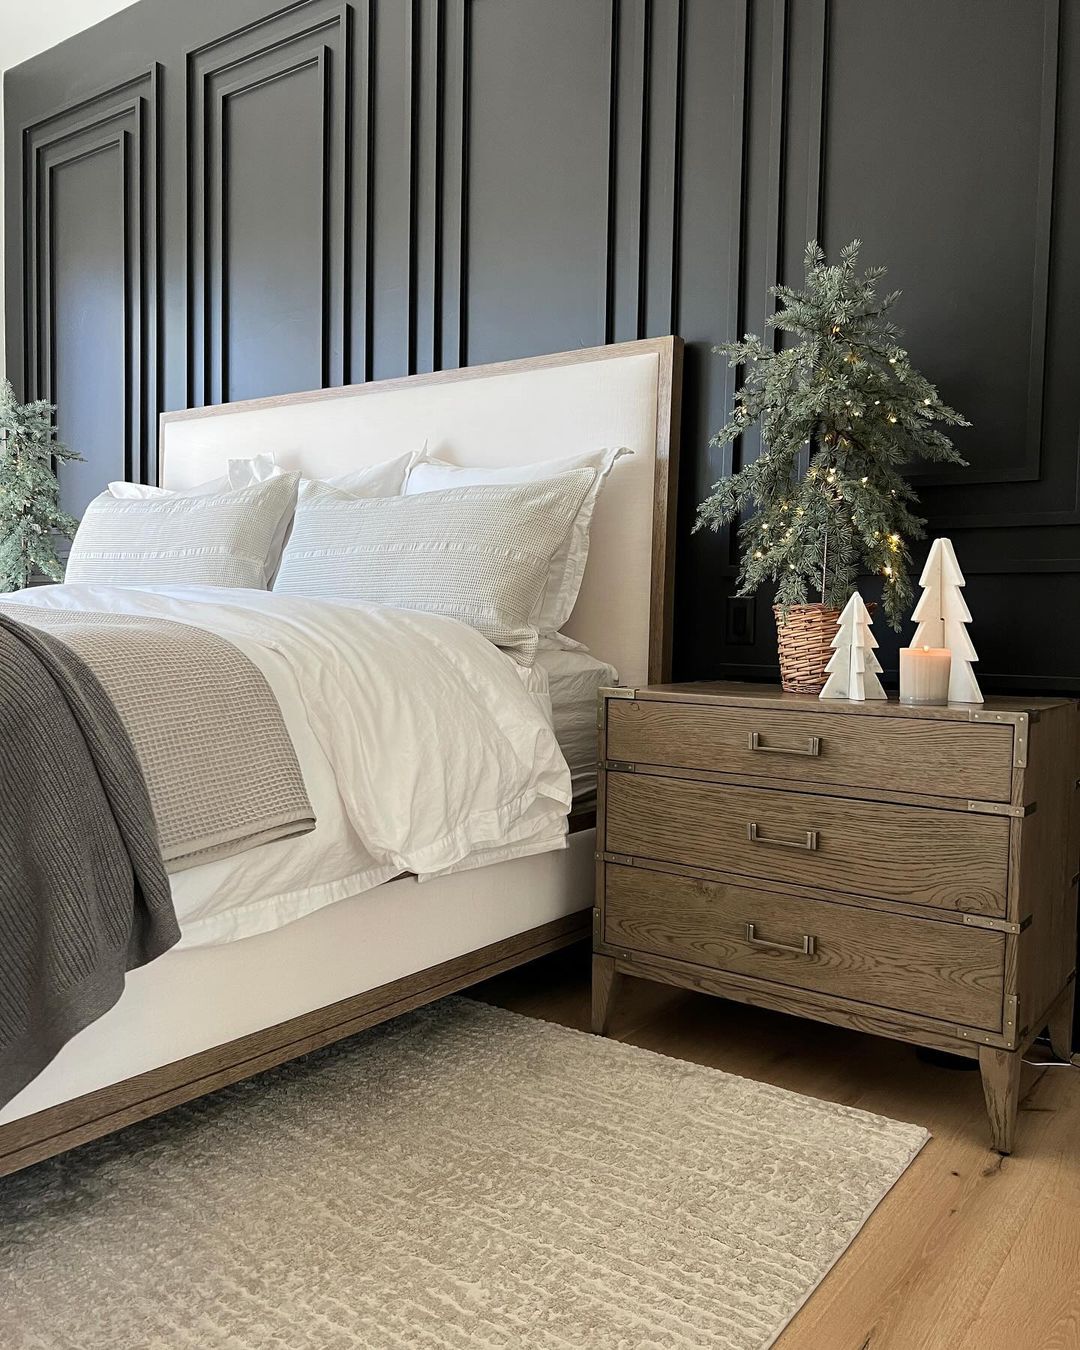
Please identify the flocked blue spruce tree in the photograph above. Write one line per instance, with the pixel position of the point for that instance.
(30, 514)
(849, 390)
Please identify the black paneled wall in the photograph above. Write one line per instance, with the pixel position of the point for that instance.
(212, 201)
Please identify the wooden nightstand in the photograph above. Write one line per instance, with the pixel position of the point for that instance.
(905, 871)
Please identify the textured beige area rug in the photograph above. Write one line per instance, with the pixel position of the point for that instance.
(462, 1177)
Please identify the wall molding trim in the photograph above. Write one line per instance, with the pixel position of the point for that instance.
(490, 180)
(311, 35)
(119, 126)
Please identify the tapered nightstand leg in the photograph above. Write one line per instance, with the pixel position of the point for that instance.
(1000, 1070)
(1061, 1024)
(605, 983)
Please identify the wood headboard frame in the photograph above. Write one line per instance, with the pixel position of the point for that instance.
(668, 351)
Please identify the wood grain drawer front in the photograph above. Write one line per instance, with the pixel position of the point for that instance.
(949, 859)
(922, 966)
(898, 754)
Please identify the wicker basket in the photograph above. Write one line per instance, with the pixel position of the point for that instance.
(803, 639)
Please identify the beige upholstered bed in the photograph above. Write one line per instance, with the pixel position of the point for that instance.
(199, 1018)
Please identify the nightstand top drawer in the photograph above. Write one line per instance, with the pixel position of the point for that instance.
(942, 758)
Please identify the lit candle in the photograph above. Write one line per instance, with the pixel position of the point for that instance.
(924, 674)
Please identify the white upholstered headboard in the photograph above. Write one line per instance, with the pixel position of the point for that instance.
(510, 413)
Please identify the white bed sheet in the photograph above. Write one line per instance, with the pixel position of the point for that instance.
(424, 749)
(574, 678)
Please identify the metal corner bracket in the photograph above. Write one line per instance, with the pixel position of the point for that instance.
(1001, 809)
(995, 925)
(1009, 1014)
(1018, 721)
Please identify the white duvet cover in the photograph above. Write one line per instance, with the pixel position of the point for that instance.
(424, 749)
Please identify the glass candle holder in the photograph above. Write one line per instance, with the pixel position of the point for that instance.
(924, 675)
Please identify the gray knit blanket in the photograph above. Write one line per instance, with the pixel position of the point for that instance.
(218, 760)
(84, 896)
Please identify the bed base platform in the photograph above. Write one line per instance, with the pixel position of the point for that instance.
(65, 1126)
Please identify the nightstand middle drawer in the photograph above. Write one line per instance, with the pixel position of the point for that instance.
(948, 859)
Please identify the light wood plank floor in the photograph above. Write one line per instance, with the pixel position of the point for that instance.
(969, 1251)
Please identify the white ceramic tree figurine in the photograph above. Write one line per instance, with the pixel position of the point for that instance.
(942, 614)
(853, 668)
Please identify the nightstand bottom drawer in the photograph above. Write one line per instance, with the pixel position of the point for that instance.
(922, 966)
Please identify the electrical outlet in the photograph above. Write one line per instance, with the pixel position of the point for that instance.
(739, 615)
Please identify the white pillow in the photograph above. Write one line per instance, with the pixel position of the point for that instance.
(386, 479)
(208, 539)
(242, 473)
(478, 554)
(560, 594)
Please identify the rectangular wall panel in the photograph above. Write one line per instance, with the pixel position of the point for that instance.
(273, 232)
(537, 171)
(918, 161)
(269, 144)
(87, 315)
(88, 248)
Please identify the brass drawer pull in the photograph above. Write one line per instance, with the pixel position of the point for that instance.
(806, 947)
(809, 843)
(813, 746)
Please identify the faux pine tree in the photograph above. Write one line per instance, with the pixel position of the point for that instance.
(30, 514)
(853, 668)
(848, 390)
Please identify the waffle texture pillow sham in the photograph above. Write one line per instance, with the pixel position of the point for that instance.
(567, 566)
(478, 554)
(216, 539)
(242, 473)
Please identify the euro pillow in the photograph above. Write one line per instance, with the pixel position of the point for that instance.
(214, 539)
(386, 479)
(560, 593)
(478, 554)
(242, 473)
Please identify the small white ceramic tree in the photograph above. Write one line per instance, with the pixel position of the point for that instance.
(853, 668)
(942, 614)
